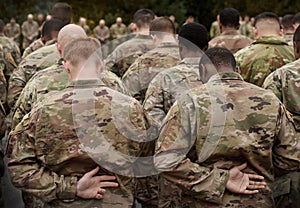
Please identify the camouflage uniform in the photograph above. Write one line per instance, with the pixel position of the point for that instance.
(110, 46)
(232, 40)
(289, 38)
(168, 85)
(51, 79)
(101, 32)
(50, 168)
(214, 30)
(33, 47)
(246, 29)
(222, 124)
(284, 84)
(29, 29)
(263, 56)
(13, 32)
(126, 53)
(117, 31)
(36, 61)
(11, 48)
(146, 67)
(3, 92)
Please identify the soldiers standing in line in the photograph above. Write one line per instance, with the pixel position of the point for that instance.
(219, 129)
(230, 38)
(30, 31)
(284, 83)
(169, 84)
(55, 170)
(13, 31)
(126, 53)
(101, 32)
(163, 56)
(246, 28)
(267, 53)
(82, 23)
(118, 29)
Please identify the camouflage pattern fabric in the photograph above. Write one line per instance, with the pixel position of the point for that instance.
(246, 29)
(232, 40)
(117, 31)
(54, 78)
(214, 30)
(101, 33)
(30, 30)
(46, 159)
(262, 57)
(289, 38)
(168, 85)
(37, 44)
(12, 49)
(3, 91)
(146, 67)
(13, 32)
(222, 124)
(36, 61)
(125, 54)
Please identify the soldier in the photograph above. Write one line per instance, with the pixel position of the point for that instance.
(57, 175)
(230, 38)
(296, 20)
(12, 50)
(118, 29)
(172, 18)
(215, 131)
(163, 56)
(126, 53)
(171, 83)
(13, 31)
(30, 31)
(101, 32)
(55, 77)
(48, 36)
(288, 28)
(214, 28)
(38, 60)
(268, 52)
(246, 28)
(82, 23)
(40, 21)
(284, 84)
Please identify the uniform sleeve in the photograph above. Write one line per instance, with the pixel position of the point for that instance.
(286, 149)
(273, 82)
(154, 100)
(176, 139)
(27, 170)
(131, 81)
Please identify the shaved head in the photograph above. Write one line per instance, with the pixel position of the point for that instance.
(69, 33)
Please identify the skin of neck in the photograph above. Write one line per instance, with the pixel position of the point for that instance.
(227, 28)
(167, 38)
(85, 71)
(143, 30)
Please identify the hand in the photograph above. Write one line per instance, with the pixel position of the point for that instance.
(241, 183)
(91, 186)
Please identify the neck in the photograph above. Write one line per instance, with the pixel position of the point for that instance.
(227, 28)
(166, 39)
(143, 31)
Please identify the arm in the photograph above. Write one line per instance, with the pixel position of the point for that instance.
(131, 80)
(273, 82)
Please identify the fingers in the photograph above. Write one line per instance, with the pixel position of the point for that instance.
(254, 176)
(93, 172)
(107, 178)
(250, 192)
(242, 166)
(257, 183)
(108, 184)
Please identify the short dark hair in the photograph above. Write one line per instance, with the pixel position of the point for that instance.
(287, 22)
(53, 25)
(143, 17)
(219, 57)
(230, 17)
(194, 33)
(2, 25)
(162, 25)
(63, 12)
(296, 37)
(296, 18)
(266, 16)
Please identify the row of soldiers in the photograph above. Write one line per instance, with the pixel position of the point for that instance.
(161, 122)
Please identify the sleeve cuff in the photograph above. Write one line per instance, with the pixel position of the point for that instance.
(66, 189)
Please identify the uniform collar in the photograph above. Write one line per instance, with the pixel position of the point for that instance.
(86, 83)
(226, 76)
(271, 39)
(230, 32)
(167, 45)
(191, 61)
(50, 42)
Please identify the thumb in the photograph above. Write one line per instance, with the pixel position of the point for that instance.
(93, 172)
(243, 166)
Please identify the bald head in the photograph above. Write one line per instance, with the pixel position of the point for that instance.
(67, 34)
(119, 20)
(30, 17)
